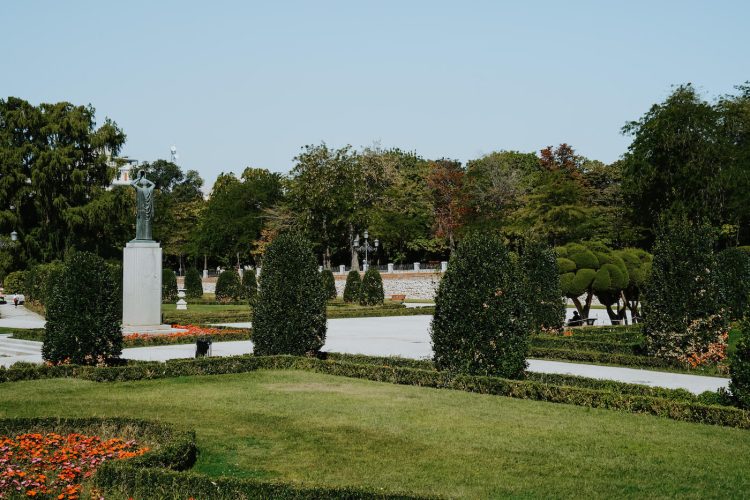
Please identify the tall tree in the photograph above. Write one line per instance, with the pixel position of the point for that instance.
(446, 182)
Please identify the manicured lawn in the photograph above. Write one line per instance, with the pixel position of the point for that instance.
(320, 429)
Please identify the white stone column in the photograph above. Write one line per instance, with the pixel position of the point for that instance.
(342, 269)
(416, 266)
(443, 266)
(390, 267)
(141, 284)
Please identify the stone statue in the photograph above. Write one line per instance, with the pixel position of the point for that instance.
(144, 200)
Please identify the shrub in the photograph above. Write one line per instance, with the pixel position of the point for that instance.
(351, 289)
(193, 284)
(371, 290)
(328, 282)
(541, 283)
(739, 367)
(168, 285)
(481, 323)
(228, 286)
(733, 269)
(681, 304)
(83, 323)
(115, 272)
(14, 282)
(289, 316)
(249, 286)
(39, 280)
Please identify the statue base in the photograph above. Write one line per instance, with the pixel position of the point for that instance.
(141, 286)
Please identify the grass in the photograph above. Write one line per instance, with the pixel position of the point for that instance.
(320, 429)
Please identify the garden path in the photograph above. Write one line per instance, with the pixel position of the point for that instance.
(408, 336)
(19, 317)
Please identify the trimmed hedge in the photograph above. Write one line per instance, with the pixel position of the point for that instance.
(228, 287)
(603, 357)
(289, 316)
(575, 344)
(674, 408)
(193, 284)
(541, 281)
(249, 286)
(371, 290)
(352, 286)
(14, 282)
(739, 367)
(168, 286)
(328, 282)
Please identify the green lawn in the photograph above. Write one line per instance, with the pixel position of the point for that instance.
(302, 426)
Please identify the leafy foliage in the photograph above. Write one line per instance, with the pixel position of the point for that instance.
(14, 282)
(682, 300)
(83, 321)
(289, 316)
(371, 290)
(228, 286)
(733, 268)
(481, 324)
(328, 282)
(739, 367)
(541, 283)
(352, 286)
(39, 280)
(193, 283)
(168, 286)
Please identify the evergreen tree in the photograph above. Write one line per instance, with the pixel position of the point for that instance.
(352, 286)
(542, 286)
(249, 286)
(168, 286)
(193, 284)
(371, 290)
(228, 286)
(329, 283)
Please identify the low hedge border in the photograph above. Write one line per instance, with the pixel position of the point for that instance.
(690, 411)
(163, 471)
(603, 357)
(571, 343)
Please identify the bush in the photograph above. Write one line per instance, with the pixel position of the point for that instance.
(328, 282)
(115, 272)
(39, 280)
(193, 284)
(541, 283)
(733, 269)
(249, 286)
(682, 302)
(481, 323)
(289, 316)
(353, 284)
(83, 322)
(168, 286)
(228, 286)
(14, 282)
(371, 290)
(739, 367)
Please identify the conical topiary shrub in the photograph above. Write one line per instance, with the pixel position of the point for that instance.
(481, 323)
(168, 285)
(228, 286)
(193, 284)
(328, 282)
(289, 316)
(83, 320)
(351, 288)
(541, 279)
(249, 286)
(371, 290)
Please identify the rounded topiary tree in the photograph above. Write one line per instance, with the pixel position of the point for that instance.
(541, 283)
(371, 290)
(249, 286)
(328, 282)
(733, 269)
(739, 367)
(193, 284)
(168, 285)
(228, 286)
(289, 316)
(682, 312)
(481, 323)
(83, 322)
(351, 288)
(638, 264)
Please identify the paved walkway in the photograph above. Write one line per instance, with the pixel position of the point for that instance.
(408, 336)
(19, 317)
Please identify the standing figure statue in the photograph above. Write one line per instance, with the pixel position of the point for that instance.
(144, 201)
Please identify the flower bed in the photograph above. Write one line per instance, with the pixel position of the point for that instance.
(190, 334)
(52, 465)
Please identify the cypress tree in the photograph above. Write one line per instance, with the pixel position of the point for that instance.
(193, 284)
(328, 282)
(351, 288)
(371, 289)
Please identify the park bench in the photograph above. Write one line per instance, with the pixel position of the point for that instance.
(398, 297)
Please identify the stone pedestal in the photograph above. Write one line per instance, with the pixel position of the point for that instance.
(141, 287)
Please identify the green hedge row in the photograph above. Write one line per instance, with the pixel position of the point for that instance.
(602, 357)
(606, 346)
(524, 389)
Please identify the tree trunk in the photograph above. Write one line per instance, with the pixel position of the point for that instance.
(587, 307)
(578, 305)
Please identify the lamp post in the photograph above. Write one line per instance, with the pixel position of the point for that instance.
(366, 247)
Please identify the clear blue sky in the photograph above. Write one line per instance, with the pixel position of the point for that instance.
(234, 84)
